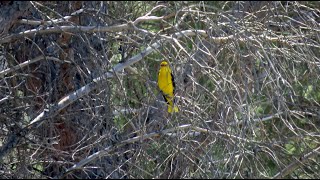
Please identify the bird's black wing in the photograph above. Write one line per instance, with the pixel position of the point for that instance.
(164, 96)
(174, 85)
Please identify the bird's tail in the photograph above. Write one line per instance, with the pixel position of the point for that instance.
(172, 108)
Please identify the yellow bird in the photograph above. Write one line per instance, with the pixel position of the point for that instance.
(167, 86)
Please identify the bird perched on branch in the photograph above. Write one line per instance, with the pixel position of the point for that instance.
(167, 86)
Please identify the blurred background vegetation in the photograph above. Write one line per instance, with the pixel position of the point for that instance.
(247, 86)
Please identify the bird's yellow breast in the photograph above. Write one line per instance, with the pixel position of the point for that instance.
(165, 80)
(166, 85)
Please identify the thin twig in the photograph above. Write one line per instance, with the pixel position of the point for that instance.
(141, 138)
(296, 164)
(26, 63)
(74, 29)
(109, 148)
(53, 110)
(51, 22)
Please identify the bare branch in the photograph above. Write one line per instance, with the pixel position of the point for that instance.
(51, 22)
(75, 29)
(141, 138)
(26, 63)
(298, 163)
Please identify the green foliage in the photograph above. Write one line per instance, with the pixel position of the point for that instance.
(261, 105)
(308, 90)
(115, 59)
(136, 90)
(38, 168)
(120, 122)
(272, 167)
(227, 89)
(204, 80)
(291, 147)
(312, 92)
